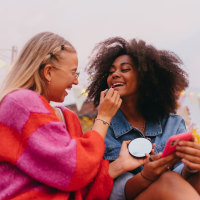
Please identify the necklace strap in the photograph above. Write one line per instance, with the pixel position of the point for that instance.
(62, 116)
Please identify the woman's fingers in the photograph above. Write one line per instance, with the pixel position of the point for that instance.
(174, 161)
(188, 150)
(155, 157)
(191, 158)
(190, 153)
(107, 93)
(109, 104)
(191, 165)
(127, 161)
(157, 165)
(163, 164)
(112, 96)
(189, 144)
(161, 161)
(153, 147)
(124, 145)
(104, 93)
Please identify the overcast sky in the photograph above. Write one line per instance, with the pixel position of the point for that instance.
(167, 24)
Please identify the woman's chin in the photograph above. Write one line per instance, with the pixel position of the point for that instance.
(63, 97)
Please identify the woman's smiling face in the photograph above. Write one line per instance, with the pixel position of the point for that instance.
(63, 76)
(123, 77)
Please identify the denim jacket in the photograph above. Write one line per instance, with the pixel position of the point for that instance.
(120, 129)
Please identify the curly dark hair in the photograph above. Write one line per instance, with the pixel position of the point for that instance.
(159, 74)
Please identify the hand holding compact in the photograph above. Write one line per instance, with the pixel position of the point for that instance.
(125, 162)
(129, 162)
(139, 147)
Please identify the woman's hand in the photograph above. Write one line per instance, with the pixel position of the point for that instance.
(129, 162)
(189, 151)
(109, 104)
(125, 162)
(157, 166)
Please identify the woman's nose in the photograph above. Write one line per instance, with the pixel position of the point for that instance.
(115, 74)
(76, 81)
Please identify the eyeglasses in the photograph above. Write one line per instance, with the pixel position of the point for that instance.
(74, 73)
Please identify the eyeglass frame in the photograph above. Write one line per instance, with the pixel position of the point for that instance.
(74, 73)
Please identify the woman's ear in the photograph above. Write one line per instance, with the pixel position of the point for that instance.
(47, 72)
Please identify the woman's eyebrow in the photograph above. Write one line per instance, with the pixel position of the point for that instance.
(125, 63)
(121, 64)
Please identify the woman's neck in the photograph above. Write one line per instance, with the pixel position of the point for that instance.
(132, 114)
(129, 108)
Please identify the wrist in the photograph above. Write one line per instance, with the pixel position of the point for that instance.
(104, 120)
(116, 168)
(146, 178)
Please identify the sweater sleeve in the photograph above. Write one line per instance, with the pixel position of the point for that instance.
(102, 185)
(41, 147)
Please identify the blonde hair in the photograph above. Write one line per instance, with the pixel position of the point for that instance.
(43, 48)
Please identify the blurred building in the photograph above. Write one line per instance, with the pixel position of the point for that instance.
(86, 114)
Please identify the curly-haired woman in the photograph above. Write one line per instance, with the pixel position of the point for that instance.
(148, 81)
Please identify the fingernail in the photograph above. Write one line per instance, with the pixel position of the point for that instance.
(180, 143)
(178, 154)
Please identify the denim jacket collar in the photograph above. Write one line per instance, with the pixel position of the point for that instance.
(121, 126)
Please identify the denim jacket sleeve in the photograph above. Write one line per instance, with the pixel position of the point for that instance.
(172, 125)
(182, 127)
(176, 125)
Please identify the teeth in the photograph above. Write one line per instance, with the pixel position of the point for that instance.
(117, 84)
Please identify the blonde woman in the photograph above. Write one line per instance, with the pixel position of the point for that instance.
(43, 153)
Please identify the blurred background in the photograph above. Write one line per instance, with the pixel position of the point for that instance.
(167, 24)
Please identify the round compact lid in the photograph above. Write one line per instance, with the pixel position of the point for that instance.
(139, 147)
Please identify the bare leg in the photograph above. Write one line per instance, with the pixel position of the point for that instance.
(169, 186)
(194, 180)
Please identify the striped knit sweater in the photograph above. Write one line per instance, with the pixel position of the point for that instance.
(40, 159)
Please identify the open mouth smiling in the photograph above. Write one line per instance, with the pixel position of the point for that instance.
(117, 85)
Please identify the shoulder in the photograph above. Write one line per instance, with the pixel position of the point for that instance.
(22, 94)
(172, 117)
(26, 99)
(174, 122)
(175, 117)
(70, 115)
(68, 112)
